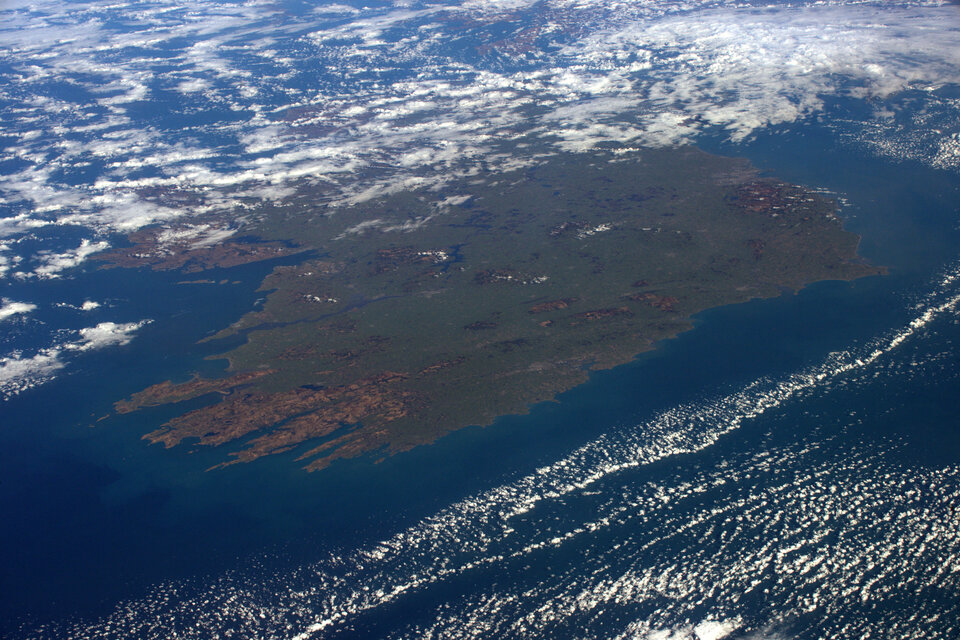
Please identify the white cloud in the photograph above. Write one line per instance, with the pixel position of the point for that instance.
(105, 334)
(7, 262)
(193, 85)
(196, 236)
(336, 9)
(713, 630)
(19, 373)
(86, 305)
(53, 263)
(747, 69)
(130, 92)
(9, 308)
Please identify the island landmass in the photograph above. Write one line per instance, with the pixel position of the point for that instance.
(422, 312)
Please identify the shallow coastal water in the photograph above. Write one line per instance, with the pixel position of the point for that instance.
(672, 492)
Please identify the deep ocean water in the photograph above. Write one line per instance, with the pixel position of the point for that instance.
(788, 469)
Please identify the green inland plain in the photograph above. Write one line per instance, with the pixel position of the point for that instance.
(425, 311)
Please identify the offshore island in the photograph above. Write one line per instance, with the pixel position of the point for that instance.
(422, 312)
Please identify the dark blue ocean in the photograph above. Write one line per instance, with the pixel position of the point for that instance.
(786, 469)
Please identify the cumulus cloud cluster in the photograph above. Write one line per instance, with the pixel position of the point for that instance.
(10, 308)
(51, 263)
(19, 372)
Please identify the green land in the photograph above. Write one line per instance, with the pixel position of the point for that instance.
(426, 311)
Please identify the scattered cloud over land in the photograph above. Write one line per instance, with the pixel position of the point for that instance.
(136, 113)
(403, 89)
